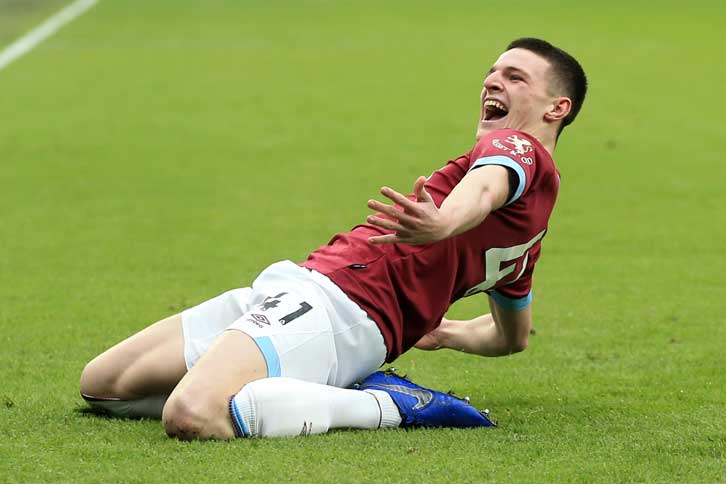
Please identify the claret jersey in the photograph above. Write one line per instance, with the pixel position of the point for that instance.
(407, 289)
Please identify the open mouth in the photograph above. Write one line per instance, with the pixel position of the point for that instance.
(494, 110)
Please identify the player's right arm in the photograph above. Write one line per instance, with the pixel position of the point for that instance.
(500, 333)
(420, 221)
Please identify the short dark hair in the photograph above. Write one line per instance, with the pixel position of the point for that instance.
(567, 72)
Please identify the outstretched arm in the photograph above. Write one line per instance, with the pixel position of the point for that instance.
(479, 193)
(500, 333)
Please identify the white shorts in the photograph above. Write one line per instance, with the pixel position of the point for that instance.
(305, 326)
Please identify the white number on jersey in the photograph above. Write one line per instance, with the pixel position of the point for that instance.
(493, 259)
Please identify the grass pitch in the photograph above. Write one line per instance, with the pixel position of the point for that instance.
(19, 16)
(155, 154)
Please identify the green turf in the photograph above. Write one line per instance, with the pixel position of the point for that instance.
(154, 154)
(19, 16)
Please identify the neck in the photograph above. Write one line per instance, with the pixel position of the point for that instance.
(546, 136)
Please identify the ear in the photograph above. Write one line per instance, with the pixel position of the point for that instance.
(561, 107)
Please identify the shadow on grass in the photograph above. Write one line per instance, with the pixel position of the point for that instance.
(97, 412)
(86, 411)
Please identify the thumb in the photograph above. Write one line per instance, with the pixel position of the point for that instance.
(420, 191)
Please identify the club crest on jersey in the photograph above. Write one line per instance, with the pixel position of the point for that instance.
(521, 147)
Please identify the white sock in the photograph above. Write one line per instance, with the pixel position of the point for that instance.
(283, 407)
(390, 416)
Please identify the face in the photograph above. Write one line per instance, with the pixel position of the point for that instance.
(517, 94)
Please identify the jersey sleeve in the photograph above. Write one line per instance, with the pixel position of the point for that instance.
(509, 148)
(517, 295)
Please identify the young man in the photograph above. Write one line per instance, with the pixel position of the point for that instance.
(278, 358)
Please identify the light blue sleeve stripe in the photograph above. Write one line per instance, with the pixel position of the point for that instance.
(270, 354)
(509, 163)
(505, 302)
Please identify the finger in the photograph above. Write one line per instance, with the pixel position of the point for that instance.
(404, 202)
(384, 223)
(419, 189)
(391, 211)
(384, 239)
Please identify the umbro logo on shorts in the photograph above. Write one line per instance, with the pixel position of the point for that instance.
(260, 318)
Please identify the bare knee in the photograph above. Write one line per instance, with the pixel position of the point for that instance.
(181, 419)
(99, 378)
(188, 418)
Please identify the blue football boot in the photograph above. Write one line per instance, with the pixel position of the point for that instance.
(422, 407)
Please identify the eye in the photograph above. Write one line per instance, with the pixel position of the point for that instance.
(515, 77)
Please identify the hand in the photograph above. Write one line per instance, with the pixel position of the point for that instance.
(416, 222)
(429, 342)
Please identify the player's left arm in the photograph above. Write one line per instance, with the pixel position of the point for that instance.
(480, 192)
(502, 332)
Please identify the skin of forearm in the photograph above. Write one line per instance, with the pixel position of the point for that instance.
(464, 211)
(479, 336)
(478, 194)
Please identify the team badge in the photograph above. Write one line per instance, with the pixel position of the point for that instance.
(521, 146)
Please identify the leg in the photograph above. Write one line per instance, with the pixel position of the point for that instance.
(292, 330)
(134, 378)
(281, 407)
(285, 407)
(198, 408)
(148, 364)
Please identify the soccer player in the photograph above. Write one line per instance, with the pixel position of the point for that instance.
(280, 357)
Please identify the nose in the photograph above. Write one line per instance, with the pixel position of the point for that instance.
(493, 82)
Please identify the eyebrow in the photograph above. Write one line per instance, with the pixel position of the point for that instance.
(510, 68)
